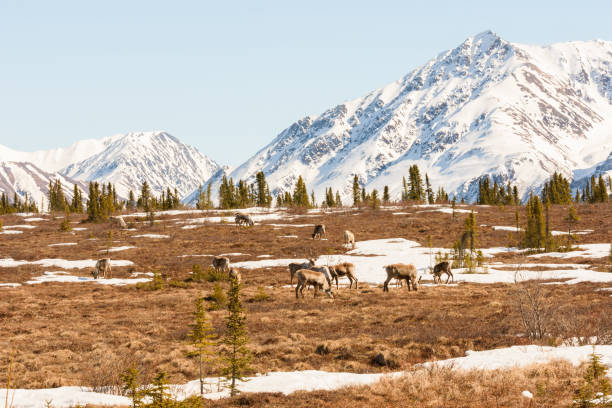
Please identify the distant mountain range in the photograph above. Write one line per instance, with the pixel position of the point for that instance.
(125, 160)
(515, 112)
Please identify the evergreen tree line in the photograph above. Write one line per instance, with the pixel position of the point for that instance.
(58, 200)
(595, 190)
(102, 202)
(242, 194)
(298, 199)
(557, 190)
(496, 194)
(17, 205)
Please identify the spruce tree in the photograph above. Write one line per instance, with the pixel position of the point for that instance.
(375, 200)
(356, 191)
(131, 385)
(338, 199)
(202, 337)
(405, 192)
(416, 192)
(145, 196)
(429, 191)
(200, 202)
(262, 190)
(237, 357)
(535, 232)
(300, 194)
(159, 394)
(386, 197)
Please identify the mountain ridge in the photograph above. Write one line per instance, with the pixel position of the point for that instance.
(515, 112)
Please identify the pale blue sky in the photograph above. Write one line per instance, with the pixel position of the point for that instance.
(228, 76)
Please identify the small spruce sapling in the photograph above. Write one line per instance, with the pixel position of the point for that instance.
(237, 356)
(131, 385)
(201, 338)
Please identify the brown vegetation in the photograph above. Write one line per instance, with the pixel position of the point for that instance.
(84, 334)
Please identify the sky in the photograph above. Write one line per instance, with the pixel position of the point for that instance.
(228, 76)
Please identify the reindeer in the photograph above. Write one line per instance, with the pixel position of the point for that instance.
(102, 266)
(119, 221)
(243, 219)
(319, 231)
(317, 279)
(344, 269)
(294, 267)
(221, 263)
(349, 238)
(439, 269)
(402, 271)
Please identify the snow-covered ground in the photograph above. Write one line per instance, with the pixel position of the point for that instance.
(310, 380)
(152, 236)
(369, 269)
(447, 210)
(63, 244)
(505, 228)
(583, 251)
(22, 226)
(117, 249)
(11, 232)
(60, 263)
(66, 278)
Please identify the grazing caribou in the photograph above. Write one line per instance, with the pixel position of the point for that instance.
(344, 269)
(243, 219)
(294, 267)
(221, 263)
(401, 272)
(349, 238)
(319, 231)
(317, 279)
(102, 266)
(439, 269)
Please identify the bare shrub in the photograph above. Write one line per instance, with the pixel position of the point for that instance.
(533, 305)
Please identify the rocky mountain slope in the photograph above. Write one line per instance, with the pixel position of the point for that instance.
(23, 177)
(124, 159)
(157, 157)
(515, 112)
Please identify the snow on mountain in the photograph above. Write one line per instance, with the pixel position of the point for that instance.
(157, 157)
(56, 159)
(22, 178)
(515, 112)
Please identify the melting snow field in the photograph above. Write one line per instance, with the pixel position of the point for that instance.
(23, 226)
(153, 236)
(66, 278)
(117, 249)
(310, 380)
(63, 244)
(369, 269)
(60, 263)
(584, 251)
(11, 232)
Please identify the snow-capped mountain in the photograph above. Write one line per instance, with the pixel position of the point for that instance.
(26, 178)
(515, 112)
(157, 157)
(56, 159)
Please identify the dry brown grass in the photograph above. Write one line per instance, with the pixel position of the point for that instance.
(552, 385)
(68, 334)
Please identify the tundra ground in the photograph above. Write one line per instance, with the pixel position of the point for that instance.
(86, 333)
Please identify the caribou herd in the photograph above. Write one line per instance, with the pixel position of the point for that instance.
(309, 274)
